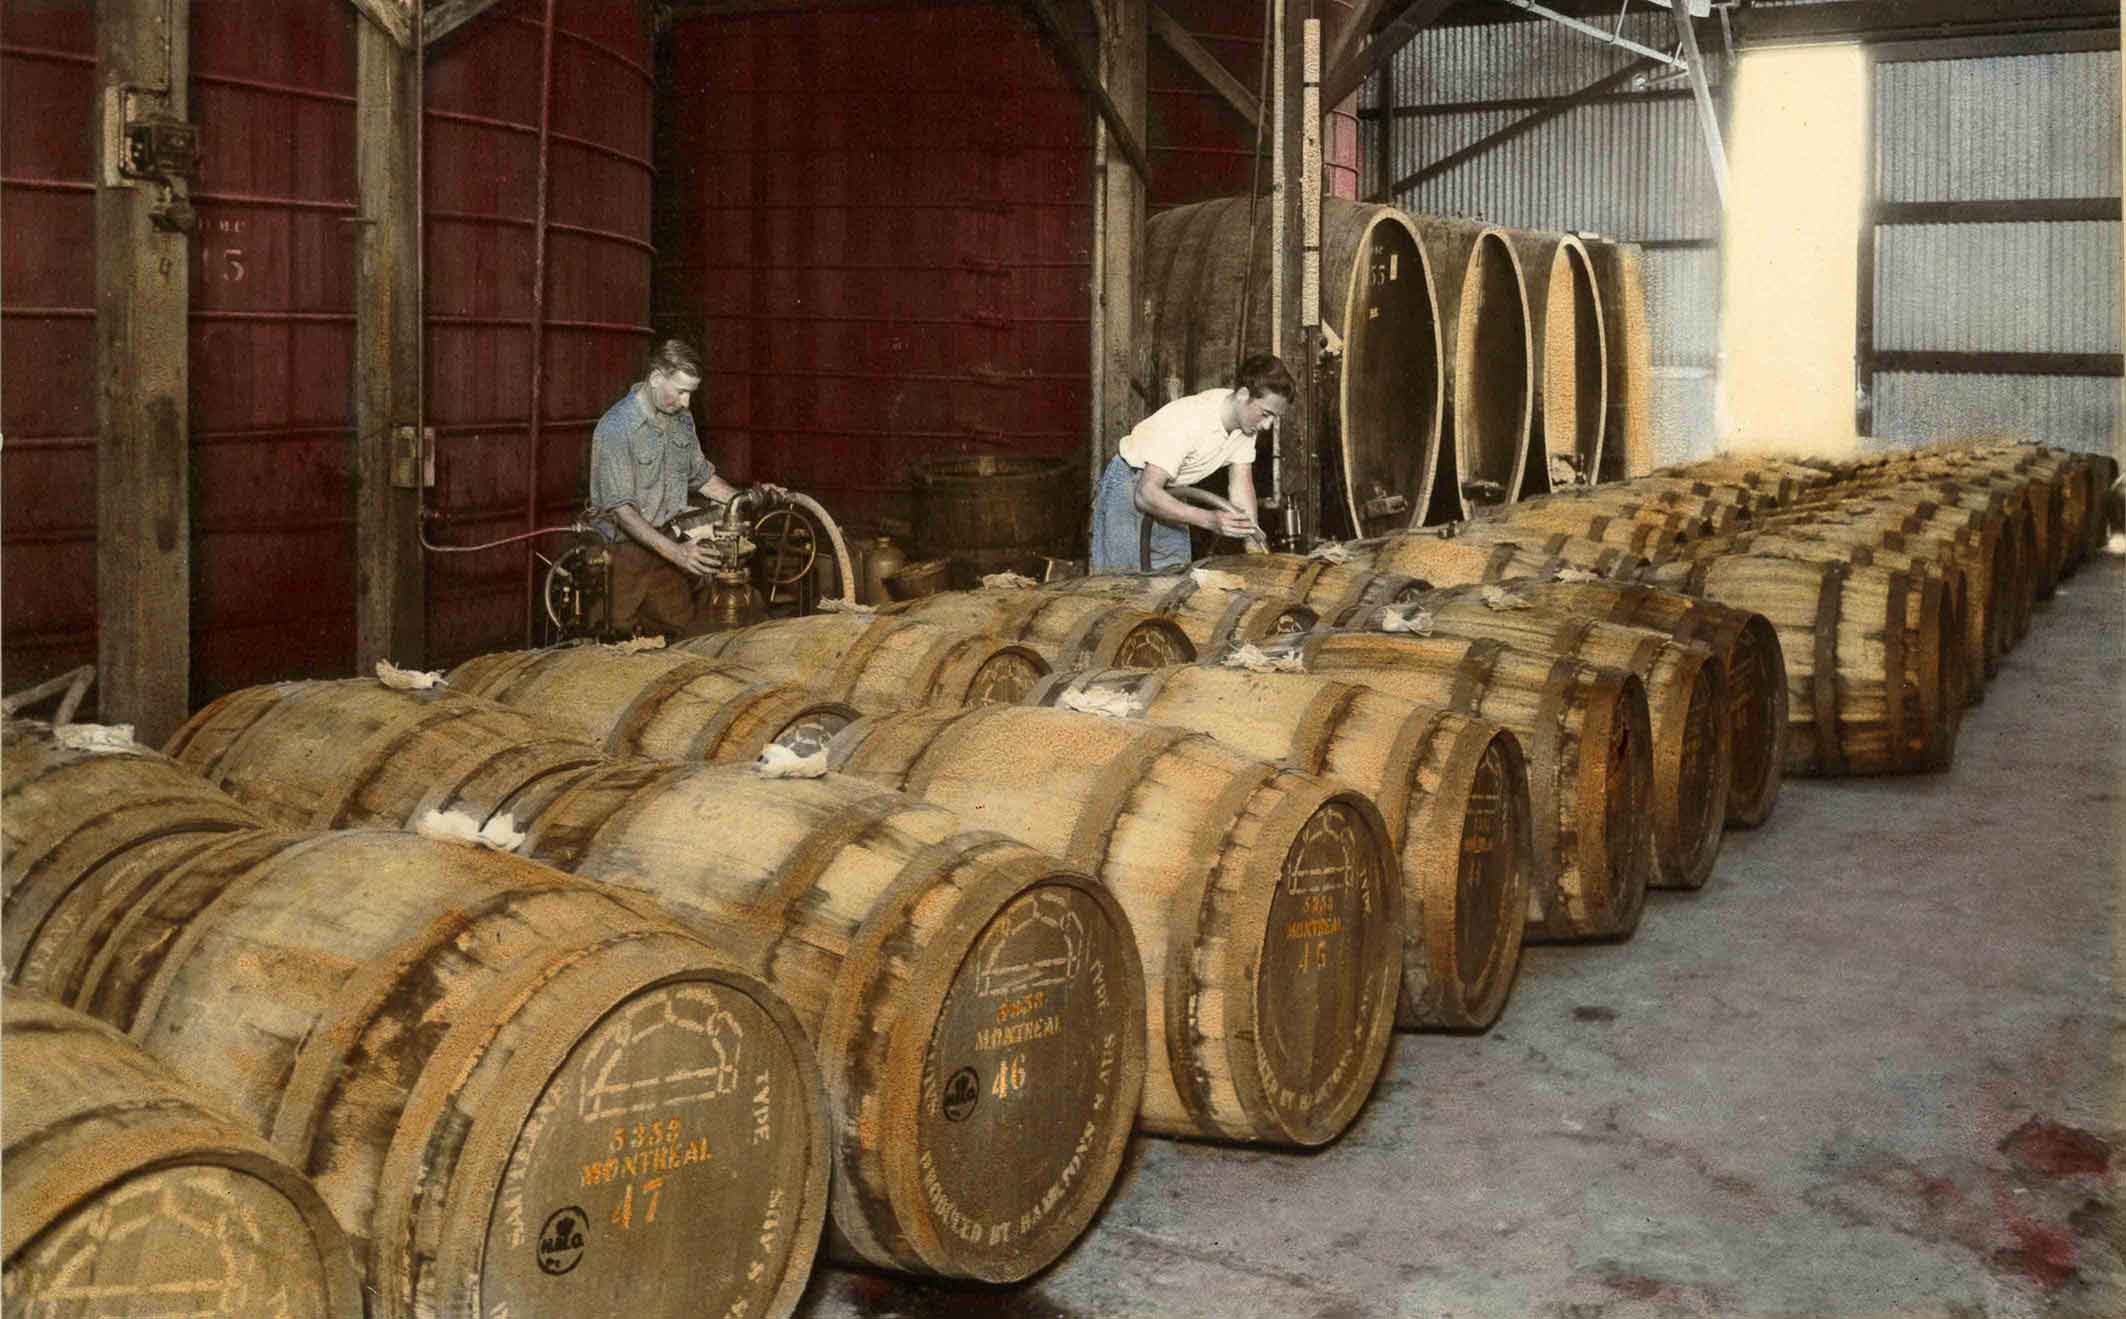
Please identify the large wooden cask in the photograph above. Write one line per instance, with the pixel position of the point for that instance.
(1868, 657)
(128, 1194)
(1073, 633)
(890, 930)
(1265, 900)
(1747, 647)
(513, 1089)
(669, 704)
(1686, 698)
(879, 665)
(1589, 745)
(1212, 616)
(1452, 789)
(65, 850)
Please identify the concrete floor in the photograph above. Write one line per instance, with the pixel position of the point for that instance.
(1866, 1071)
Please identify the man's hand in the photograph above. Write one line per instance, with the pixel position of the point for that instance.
(771, 491)
(692, 556)
(1239, 526)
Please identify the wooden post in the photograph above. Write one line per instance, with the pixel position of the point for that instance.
(143, 447)
(1118, 239)
(1298, 341)
(390, 587)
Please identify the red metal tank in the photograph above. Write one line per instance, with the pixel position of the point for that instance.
(884, 241)
(538, 287)
(47, 342)
(272, 326)
(272, 343)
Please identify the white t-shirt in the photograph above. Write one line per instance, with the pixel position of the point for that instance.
(1188, 438)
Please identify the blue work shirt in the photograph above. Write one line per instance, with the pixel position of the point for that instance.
(636, 461)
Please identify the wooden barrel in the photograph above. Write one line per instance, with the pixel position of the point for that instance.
(1725, 503)
(513, 1089)
(1867, 657)
(978, 1007)
(2036, 508)
(869, 909)
(347, 753)
(128, 1194)
(1986, 550)
(1265, 900)
(879, 665)
(1688, 516)
(1783, 480)
(1966, 587)
(1487, 336)
(1328, 588)
(668, 704)
(987, 513)
(1618, 526)
(1747, 647)
(1588, 742)
(58, 808)
(1686, 698)
(1478, 553)
(1212, 617)
(1453, 790)
(1073, 633)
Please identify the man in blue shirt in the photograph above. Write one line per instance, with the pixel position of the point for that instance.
(645, 457)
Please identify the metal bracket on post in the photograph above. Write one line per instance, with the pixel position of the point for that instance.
(1708, 117)
(413, 457)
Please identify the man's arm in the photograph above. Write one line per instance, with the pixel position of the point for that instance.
(1151, 498)
(1240, 488)
(687, 556)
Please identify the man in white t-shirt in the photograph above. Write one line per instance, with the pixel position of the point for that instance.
(1179, 445)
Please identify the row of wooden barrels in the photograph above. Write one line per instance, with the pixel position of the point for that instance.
(967, 961)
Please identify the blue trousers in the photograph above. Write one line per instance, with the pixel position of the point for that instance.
(1117, 525)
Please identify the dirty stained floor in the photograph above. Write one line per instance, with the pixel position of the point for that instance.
(1868, 1070)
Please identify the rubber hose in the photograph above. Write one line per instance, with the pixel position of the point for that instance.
(834, 533)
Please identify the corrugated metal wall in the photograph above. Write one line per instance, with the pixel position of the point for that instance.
(1631, 165)
(2014, 128)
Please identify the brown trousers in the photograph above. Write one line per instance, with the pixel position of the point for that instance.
(650, 595)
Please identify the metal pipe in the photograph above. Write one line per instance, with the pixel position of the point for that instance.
(1606, 38)
(538, 318)
(747, 498)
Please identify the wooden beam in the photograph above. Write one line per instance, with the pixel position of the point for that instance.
(1516, 129)
(395, 18)
(440, 19)
(1207, 66)
(1898, 20)
(1347, 77)
(389, 601)
(1298, 334)
(1118, 242)
(143, 384)
(1356, 27)
(1081, 71)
